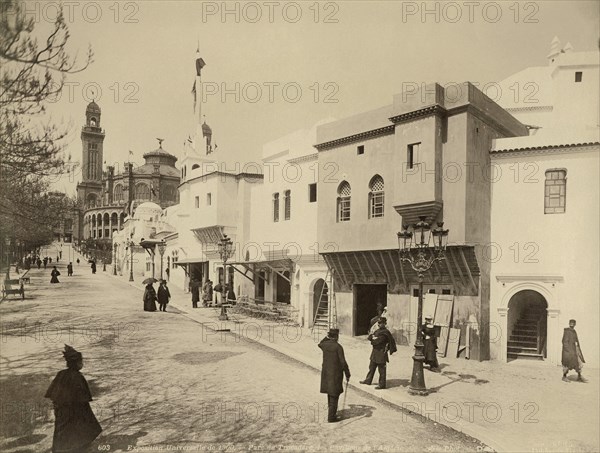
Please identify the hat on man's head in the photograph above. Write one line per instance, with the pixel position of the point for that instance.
(333, 333)
(428, 317)
(572, 321)
(71, 354)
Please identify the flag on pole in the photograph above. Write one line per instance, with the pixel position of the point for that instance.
(194, 93)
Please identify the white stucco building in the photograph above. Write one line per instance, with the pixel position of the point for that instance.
(545, 213)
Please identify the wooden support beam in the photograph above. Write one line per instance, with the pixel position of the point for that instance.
(393, 260)
(381, 270)
(350, 267)
(338, 269)
(278, 272)
(464, 260)
(462, 277)
(237, 270)
(368, 266)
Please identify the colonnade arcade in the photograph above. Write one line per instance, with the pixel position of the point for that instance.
(103, 223)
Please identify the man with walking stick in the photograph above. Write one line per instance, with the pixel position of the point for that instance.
(332, 372)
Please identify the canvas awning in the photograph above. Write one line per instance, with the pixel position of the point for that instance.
(279, 266)
(460, 268)
(192, 260)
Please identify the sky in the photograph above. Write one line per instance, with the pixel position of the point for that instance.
(284, 66)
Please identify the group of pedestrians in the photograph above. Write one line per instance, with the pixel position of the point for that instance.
(207, 292)
(151, 296)
(56, 273)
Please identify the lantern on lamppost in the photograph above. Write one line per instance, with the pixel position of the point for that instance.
(415, 249)
(162, 246)
(225, 251)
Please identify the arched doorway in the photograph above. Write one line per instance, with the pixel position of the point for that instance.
(320, 293)
(527, 326)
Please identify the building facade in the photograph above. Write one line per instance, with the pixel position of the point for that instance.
(545, 213)
(106, 198)
(426, 154)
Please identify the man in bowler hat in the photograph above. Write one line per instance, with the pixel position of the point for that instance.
(334, 367)
(382, 342)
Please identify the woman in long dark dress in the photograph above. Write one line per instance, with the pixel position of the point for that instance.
(54, 275)
(149, 298)
(76, 426)
(430, 344)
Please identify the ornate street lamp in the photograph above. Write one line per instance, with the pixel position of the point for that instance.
(130, 244)
(421, 257)
(225, 252)
(115, 260)
(162, 246)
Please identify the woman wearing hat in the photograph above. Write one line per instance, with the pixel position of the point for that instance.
(54, 274)
(430, 343)
(75, 425)
(150, 298)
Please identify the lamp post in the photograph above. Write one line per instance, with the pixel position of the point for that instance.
(130, 243)
(225, 252)
(115, 260)
(421, 257)
(161, 249)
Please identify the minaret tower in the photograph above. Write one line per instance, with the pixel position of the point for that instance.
(92, 140)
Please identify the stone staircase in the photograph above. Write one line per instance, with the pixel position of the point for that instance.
(523, 342)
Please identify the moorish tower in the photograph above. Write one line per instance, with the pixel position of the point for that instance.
(89, 191)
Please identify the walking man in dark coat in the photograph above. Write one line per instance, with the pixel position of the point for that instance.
(334, 367)
(163, 296)
(69, 269)
(382, 342)
(572, 358)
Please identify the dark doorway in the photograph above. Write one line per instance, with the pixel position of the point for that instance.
(283, 288)
(527, 326)
(196, 271)
(366, 298)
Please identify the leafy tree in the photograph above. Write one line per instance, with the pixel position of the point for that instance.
(33, 72)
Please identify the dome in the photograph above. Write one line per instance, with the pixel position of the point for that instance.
(147, 211)
(206, 130)
(93, 108)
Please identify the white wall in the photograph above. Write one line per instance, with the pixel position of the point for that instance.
(554, 254)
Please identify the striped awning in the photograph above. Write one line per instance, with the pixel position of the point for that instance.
(460, 269)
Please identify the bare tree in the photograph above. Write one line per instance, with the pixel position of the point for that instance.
(33, 71)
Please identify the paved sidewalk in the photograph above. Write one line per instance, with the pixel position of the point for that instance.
(514, 407)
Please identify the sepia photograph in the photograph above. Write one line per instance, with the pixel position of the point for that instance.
(366, 226)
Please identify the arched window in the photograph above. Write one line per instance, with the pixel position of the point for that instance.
(343, 202)
(142, 191)
(195, 166)
(376, 197)
(118, 194)
(287, 204)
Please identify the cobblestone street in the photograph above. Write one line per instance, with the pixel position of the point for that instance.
(159, 381)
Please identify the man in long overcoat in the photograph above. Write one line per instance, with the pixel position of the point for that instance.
(572, 358)
(382, 342)
(334, 367)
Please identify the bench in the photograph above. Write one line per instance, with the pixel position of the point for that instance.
(13, 287)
